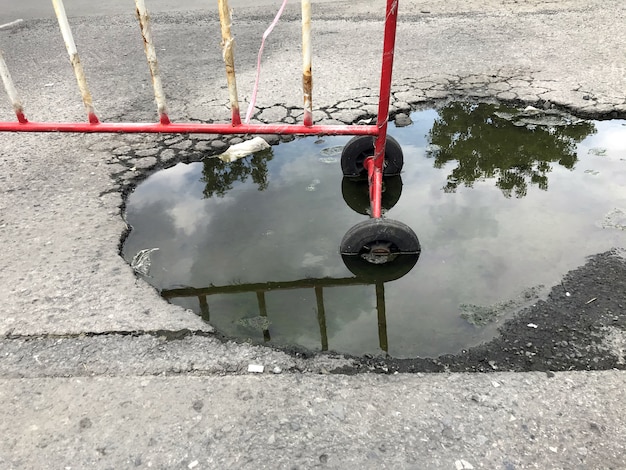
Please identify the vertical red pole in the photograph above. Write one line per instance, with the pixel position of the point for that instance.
(375, 166)
(391, 20)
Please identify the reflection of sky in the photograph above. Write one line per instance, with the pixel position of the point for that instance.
(611, 135)
(478, 246)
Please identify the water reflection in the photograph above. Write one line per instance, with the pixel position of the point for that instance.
(219, 176)
(514, 147)
(266, 265)
(356, 194)
(263, 321)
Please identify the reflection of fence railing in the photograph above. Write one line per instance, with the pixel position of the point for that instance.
(262, 288)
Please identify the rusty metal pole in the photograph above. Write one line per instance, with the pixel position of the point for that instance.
(228, 43)
(70, 45)
(148, 45)
(307, 73)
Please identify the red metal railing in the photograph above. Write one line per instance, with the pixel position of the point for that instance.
(165, 125)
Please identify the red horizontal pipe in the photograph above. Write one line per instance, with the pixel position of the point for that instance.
(187, 128)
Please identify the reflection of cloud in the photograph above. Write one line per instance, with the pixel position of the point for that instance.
(300, 161)
(189, 217)
(611, 136)
(194, 215)
(463, 222)
(310, 260)
(176, 181)
(177, 191)
(358, 335)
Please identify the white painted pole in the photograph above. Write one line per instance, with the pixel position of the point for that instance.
(228, 44)
(9, 86)
(64, 24)
(153, 65)
(307, 74)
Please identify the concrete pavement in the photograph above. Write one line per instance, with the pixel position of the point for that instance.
(151, 395)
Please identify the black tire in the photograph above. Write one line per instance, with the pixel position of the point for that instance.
(380, 241)
(356, 193)
(360, 147)
(382, 272)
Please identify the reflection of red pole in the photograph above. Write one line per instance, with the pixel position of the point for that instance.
(375, 166)
(375, 179)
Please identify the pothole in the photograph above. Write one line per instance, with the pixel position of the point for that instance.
(504, 201)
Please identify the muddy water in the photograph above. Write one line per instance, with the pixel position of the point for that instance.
(504, 202)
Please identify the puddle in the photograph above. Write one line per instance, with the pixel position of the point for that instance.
(504, 203)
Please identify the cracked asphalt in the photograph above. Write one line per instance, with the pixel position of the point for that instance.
(97, 370)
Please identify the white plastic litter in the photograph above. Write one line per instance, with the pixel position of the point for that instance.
(237, 151)
(463, 465)
(141, 261)
(256, 368)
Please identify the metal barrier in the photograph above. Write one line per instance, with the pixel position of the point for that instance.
(377, 240)
(165, 125)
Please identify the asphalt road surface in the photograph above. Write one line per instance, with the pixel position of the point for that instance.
(28, 9)
(97, 371)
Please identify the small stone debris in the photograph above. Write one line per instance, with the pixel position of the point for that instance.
(85, 423)
(272, 139)
(218, 144)
(277, 370)
(463, 465)
(256, 368)
(403, 120)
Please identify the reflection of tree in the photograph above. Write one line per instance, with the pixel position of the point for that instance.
(490, 141)
(220, 176)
